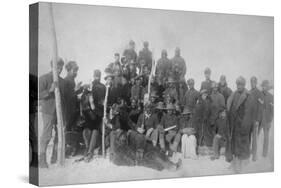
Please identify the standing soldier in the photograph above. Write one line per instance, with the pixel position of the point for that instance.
(191, 96)
(258, 102)
(217, 102)
(267, 115)
(71, 103)
(48, 109)
(146, 55)
(130, 53)
(171, 94)
(223, 88)
(137, 89)
(240, 106)
(207, 84)
(201, 120)
(163, 67)
(178, 66)
(115, 68)
(72, 90)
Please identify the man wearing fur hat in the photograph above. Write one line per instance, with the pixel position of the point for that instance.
(240, 106)
(223, 88)
(146, 55)
(130, 53)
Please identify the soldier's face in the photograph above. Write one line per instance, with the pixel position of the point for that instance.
(240, 87)
(204, 96)
(207, 76)
(191, 85)
(59, 68)
(117, 58)
(170, 112)
(73, 72)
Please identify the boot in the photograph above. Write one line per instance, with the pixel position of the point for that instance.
(42, 161)
(54, 156)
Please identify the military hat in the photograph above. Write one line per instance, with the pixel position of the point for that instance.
(207, 70)
(59, 62)
(170, 107)
(186, 110)
(265, 83)
(160, 106)
(203, 91)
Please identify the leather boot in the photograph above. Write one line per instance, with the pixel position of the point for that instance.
(43, 161)
(54, 156)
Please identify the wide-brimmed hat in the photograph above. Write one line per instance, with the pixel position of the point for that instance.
(170, 107)
(160, 106)
(203, 91)
(186, 110)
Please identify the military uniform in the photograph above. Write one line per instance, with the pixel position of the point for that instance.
(190, 98)
(207, 84)
(146, 55)
(178, 68)
(225, 91)
(163, 69)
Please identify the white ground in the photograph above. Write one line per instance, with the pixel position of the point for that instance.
(101, 170)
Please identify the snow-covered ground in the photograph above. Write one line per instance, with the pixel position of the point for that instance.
(101, 170)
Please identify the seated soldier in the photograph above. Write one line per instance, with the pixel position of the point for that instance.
(147, 123)
(188, 139)
(168, 129)
(221, 135)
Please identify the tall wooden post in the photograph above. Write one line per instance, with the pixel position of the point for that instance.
(60, 123)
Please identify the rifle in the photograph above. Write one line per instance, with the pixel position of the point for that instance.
(103, 120)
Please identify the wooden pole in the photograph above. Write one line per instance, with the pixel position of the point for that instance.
(60, 123)
(103, 122)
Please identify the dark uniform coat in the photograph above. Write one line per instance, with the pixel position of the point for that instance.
(190, 98)
(146, 55)
(163, 69)
(148, 122)
(225, 91)
(258, 100)
(178, 68)
(207, 84)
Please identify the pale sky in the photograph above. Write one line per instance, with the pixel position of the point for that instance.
(232, 45)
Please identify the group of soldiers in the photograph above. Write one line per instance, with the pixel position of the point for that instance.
(150, 112)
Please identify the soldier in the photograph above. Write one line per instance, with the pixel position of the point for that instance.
(188, 139)
(115, 67)
(130, 53)
(223, 88)
(178, 66)
(222, 133)
(201, 120)
(146, 55)
(171, 94)
(240, 106)
(267, 115)
(207, 84)
(217, 102)
(181, 91)
(137, 89)
(258, 102)
(163, 67)
(72, 107)
(172, 136)
(147, 124)
(48, 109)
(72, 90)
(135, 111)
(191, 96)
(125, 90)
